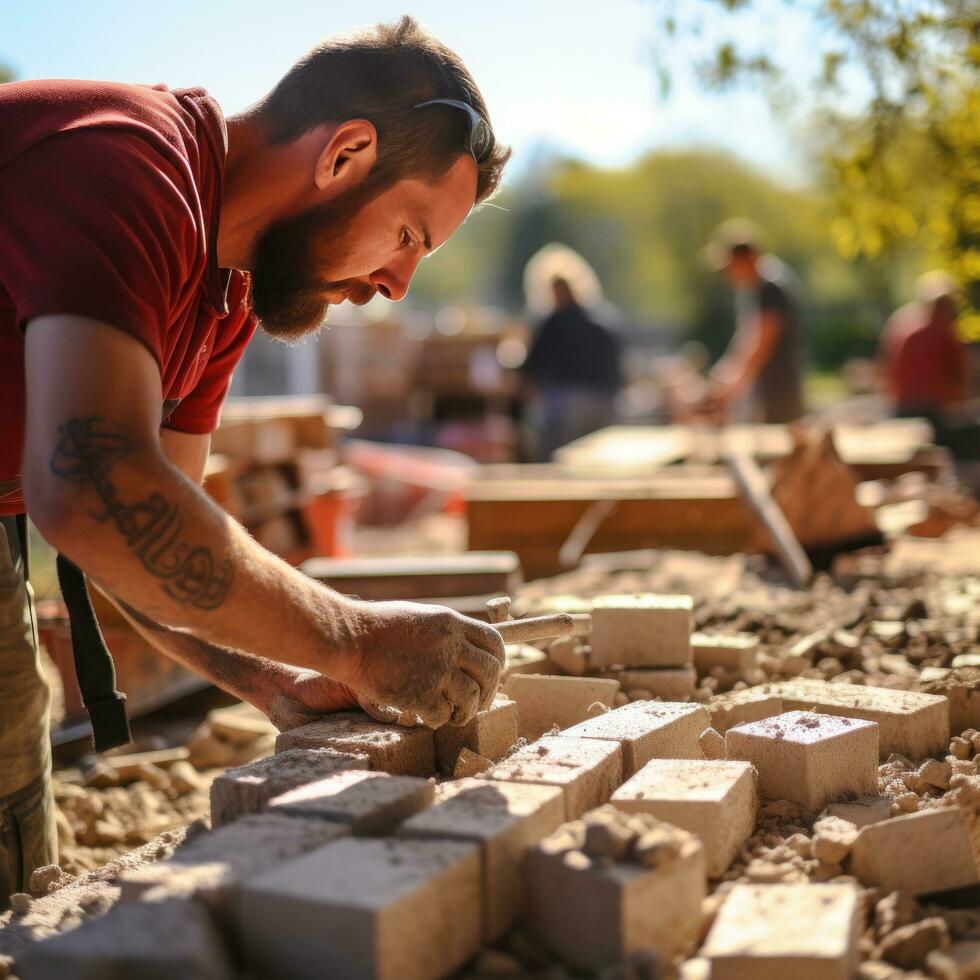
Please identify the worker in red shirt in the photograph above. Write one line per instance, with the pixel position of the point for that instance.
(923, 365)
(142, 239)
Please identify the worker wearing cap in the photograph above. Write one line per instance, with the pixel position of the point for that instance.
(922, 362)
(144, 238)
(760, 376)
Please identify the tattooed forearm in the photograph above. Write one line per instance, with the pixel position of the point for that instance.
(87, 451)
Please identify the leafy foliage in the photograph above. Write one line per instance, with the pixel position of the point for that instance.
(903, 168)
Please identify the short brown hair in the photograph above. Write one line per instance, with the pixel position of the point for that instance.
(378, 75)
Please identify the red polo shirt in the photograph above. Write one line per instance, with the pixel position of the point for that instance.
(109, 204)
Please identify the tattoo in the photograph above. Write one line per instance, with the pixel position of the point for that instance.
(87, 450)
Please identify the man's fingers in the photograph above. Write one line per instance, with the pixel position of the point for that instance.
(484, 636)
(464, 693)
(484, 669)
(437, 712)
(388, 713)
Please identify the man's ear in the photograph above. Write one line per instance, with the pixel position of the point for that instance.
(348, 157)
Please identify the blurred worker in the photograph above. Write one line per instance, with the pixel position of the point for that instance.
(143, 237)
(759, 378)
(573, 364)
(922, 363)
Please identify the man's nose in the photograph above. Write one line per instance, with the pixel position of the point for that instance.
(393, 280)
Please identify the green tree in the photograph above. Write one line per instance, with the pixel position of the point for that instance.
(903, 172)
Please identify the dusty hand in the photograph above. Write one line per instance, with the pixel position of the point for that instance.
(426, 660)
(305, 696)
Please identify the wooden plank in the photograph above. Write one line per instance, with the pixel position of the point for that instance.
(480, 572)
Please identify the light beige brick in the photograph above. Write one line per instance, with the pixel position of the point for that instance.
(247, 789)
(911, 724)
(738, 707)
(586, 769)
(212, 866)
(734, 653)
(596, 911)
(546, 700)
(150, 940)
(505, 819)
(391, 909)
(522, 658)
(641, 630)
(808, 758)
(391, 748)
(717, 801)
(490, 734)
(773, 932)
(918, 853)
(667, 683)
(369, 803)
(648, 730)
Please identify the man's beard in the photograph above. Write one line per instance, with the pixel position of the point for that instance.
(288, 292)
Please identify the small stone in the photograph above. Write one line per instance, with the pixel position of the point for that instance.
(620, 699)
(21, 903)
(960, 748)
(48, 878)
(712, 744)
(154, 775)
(597, 708)
(469, 763)
(606, 837)
(908, 946)
(832, 839)
(935, 773)
(6, 966)
(185, 778)
(906, 803)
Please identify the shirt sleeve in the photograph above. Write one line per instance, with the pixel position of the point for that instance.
(99, 223)
(200, 411)
(772, 298)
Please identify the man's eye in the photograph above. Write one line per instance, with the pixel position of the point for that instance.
(406, 238)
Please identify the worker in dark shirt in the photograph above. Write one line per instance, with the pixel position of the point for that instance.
(760, 376)
(574, 365)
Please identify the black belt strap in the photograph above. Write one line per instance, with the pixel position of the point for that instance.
(93, 663)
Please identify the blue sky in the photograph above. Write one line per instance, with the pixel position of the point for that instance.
(559, 75)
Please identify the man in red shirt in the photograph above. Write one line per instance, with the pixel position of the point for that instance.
(923, 364)
(142, 236)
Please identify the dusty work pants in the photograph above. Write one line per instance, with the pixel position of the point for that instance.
(28, 838)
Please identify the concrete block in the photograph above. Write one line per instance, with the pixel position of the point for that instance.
(586, 769)
(911, 724)
(505, 819)
(211, 867)
(490, 734)
(369, 803)
(363, 908)
(546, 700)
(247, 789)
(391, 748)
(919, 853)
(641, 630)
(738, 707)
(667, 683)
(150, 940)
(716, 801)
(771, 932)
(640, 889)
(808, 758)
(648, 730)
(522, 658)
(734, 653)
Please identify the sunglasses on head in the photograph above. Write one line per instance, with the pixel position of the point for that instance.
(481, 135)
